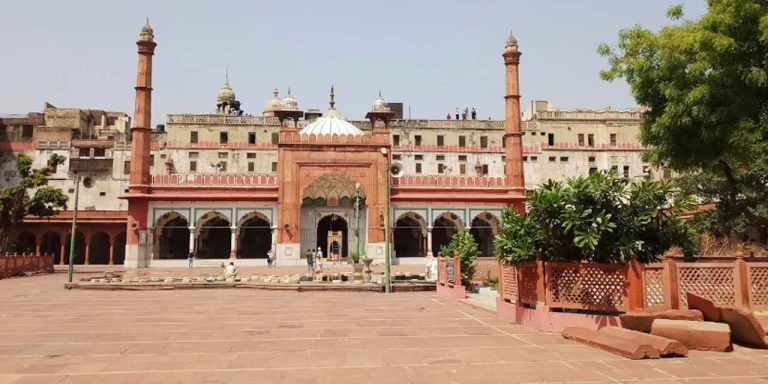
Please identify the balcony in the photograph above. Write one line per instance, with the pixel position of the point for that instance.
(88, 165)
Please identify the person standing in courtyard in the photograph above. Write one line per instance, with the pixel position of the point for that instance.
(190, 259)
(310, 260)
(270, 258)
(319, 261)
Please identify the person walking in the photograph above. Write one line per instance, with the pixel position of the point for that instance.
(270, 258)
(190, 259)
(310, 260)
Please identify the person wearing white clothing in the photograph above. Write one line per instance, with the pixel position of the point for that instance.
(432, 269)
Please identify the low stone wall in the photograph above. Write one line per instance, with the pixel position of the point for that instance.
(13, 265)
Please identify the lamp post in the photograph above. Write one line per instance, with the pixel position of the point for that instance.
(387, 273)
(357, 216)
(74, 227)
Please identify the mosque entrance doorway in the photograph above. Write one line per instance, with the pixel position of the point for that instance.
(332, 235)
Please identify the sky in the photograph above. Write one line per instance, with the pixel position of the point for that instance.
(431, 55)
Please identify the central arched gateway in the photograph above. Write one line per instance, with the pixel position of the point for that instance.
(333, 203)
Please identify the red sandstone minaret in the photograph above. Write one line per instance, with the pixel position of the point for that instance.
(138, 185)
(512, 134)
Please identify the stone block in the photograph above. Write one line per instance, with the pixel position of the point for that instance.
(155, 280)
(641, 321)
(698, 335)
(230, 280)
(707, 307)
(628, 348)
(254, 278)
(186, 280)
(169, 280)
(744, 326)
(665, 347)
(337, 281)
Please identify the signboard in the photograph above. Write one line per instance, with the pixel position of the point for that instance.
(449, 272)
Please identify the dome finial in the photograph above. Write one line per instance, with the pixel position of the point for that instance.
(289, 103)
(511, 45)
(146, 32)
(333, 102)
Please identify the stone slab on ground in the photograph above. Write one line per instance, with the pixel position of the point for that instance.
(628, 348)
(710, 311)
(642, 321)
(744, 326)
(665, 347)
(698, 335)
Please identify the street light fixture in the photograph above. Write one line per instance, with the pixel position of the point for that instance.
(357, 216)
(387, 272)
(74, 230)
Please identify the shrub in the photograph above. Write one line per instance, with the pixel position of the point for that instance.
(600, 218)
(463, 243)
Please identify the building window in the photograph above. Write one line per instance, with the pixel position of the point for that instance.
(462, 157)
(440, 157)
(543, 134)
(251, 137)
(102, 193)
(85, 152)
(440, 168)
(396, 157)
(534, 158)
(151, 160)
(193, 137)
(99, 152)
(275, 138)
(251, 155)
(483, 141)
(223, 166)
(667, 173)
(462, 169)
(615, 168)
(193, 166)
(525, 158)
(581, 139)
(223, 138)
(613, 139)
(418, 157)
(592, 170)
(551, 139)
(552, 159)
(462, 141)
(396, 140)
(485, 169)
(564, 159)
(194, 155)
(440, 140)
(26, 131)
(223, 155)
(274, 166)
(251, 166)
(418, 167)
(591, 140)
(127, 167)
(591, 159)
(503, 142)
(626, 171)
(503, 159)
(417, 139)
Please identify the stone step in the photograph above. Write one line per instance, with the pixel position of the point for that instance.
(642, 321)
(666, 347)
(698, 335)
(628, 348)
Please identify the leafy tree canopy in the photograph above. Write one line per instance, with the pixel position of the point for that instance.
(463, 243)
(32, 196)
(600, 218)
(705, 84)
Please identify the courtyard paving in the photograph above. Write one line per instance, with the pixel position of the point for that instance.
(52, 335)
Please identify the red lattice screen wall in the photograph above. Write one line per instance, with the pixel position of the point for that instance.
(486, 268)
(599, 287)
(11, 265)
(508, 283)
(653, 285)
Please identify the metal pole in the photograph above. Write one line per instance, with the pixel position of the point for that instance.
(74, 227)
(387, 273)
(357, 213)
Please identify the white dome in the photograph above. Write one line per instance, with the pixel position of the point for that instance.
(331, 124)
(289, 103)
(380, 105)
(226, 94)
(274, 104)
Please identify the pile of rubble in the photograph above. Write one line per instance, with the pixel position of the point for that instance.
(653, 334)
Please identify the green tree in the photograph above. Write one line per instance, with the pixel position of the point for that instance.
(600, 218)
(32, 196)
(705, 85)
(463, 243)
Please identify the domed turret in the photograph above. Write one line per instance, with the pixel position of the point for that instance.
(226, 102)
(147, 34)
(226, 94)
(289, 103)
(331, 124)
(511, 45)
(380, 105)
(274, 104)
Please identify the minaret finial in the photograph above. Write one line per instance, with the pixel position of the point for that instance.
(226, 74)
(379, 92)
(333, 102)
(289, 91)
(147, 20)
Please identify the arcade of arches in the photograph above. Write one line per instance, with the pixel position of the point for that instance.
(413, 238)
(213, 237)
(93, 244)
(334, 216)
